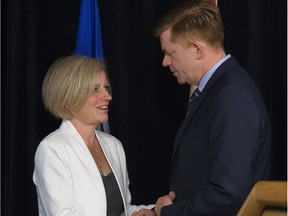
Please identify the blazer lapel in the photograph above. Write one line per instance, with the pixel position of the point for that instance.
(222, 69)
(189, 118)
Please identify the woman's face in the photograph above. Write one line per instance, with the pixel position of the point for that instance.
(95, 109)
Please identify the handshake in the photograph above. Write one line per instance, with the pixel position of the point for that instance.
(162, 201)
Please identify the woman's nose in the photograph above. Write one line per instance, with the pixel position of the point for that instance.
(108, 96)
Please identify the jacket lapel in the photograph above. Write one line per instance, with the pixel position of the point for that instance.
(222, 69)
(189, 118)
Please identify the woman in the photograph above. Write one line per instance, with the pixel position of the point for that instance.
(79, 170)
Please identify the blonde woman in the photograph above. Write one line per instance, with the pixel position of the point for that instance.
(79, 170)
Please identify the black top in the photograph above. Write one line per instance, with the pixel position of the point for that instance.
(114, 200)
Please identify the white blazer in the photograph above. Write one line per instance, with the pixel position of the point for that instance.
(67, 179)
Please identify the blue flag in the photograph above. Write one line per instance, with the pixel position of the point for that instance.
(89, 38)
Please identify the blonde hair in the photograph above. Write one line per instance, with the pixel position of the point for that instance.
(190, 20)
(69, 82)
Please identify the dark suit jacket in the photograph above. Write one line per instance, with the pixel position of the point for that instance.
(222, 147)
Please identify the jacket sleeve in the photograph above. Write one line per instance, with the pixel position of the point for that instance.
(126, 191)
(132, 208)
(54, 186)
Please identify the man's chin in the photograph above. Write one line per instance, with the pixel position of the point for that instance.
(180, 81)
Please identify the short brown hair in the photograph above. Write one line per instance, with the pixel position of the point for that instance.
(198, 19)
(68, 83)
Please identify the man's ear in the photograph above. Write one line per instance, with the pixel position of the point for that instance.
(200, 49)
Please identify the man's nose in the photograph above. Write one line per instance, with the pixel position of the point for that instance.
(166, 61)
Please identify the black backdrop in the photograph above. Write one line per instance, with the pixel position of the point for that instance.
(148, 104)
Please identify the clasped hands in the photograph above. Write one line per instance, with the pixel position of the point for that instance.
(162, 201)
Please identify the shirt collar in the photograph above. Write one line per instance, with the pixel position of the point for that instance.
(210, 72)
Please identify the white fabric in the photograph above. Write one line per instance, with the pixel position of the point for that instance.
(67, 179)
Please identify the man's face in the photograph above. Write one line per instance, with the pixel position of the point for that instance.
(182, 61)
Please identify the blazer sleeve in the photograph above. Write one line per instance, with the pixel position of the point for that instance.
(233, 143)
(54, 186)
(132, 208)
(126, 182)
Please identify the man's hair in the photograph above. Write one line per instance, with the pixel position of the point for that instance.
(69, 82)
(192, 20)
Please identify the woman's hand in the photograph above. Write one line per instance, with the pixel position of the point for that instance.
(144, 212)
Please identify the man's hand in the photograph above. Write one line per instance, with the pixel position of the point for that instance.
(144, 212)
(164, 201)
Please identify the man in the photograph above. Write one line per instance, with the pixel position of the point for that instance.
(223, 145)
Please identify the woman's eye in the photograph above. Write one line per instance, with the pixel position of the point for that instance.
(105, 87)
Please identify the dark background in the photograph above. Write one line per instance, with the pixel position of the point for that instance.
(148, 104)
